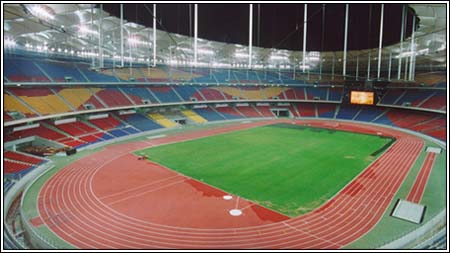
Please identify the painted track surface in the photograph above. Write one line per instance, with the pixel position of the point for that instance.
(73, 207)
(417, 190)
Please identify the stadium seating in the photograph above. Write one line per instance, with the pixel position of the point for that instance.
(306, 109)
(156, 75)
(113, 97)
(14, 167)
(41, 99)
(313, 93)
(194, 116)
(11, 104)
(335, 94)
(347, 112)
(23, 70)
(248, 111)
(209, 114)
(299, 93)
(162, 120)
(326, 110)
(229, 112)
(107, 123)
(140, 122)
(210, 94)
(79, 97)
(265, 111)
(369, 113)
(96, 77)
(391, 96)
(129, 74)
(187, 92)
(165, 94)
(59, 71)
(252, 93)
(41, 131)
(437, 102)
(21, 157)
(76, 128)
(138, 94)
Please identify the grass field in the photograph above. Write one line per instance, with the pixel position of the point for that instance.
(289, 169)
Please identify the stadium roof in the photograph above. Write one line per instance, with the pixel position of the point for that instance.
(73, 29)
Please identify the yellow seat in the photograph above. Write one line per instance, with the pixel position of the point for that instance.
(163, 121)
(194, 116)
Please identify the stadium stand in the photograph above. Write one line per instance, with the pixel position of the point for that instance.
(306, 109)
(326, 110)
(194, 116)
(23, 70)
(162, 120)
(61, 71)
(229, 112)
(248, 111)
(209, 114)
(140, 122)
(165, 94)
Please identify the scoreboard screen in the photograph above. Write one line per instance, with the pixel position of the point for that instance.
(361, 97)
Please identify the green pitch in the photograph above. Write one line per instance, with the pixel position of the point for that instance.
(287, 168)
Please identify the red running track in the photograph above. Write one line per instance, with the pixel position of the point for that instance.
(416, 193)
(76, 205)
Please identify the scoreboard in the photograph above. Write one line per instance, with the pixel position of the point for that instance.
(362, 97)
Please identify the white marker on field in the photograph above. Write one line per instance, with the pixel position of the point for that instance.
(235, 212)
(227, 197)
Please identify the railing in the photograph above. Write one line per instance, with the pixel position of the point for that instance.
(416, 234)
(43, 242)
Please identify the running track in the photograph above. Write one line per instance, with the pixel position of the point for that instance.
(69, 206)
(415, 195)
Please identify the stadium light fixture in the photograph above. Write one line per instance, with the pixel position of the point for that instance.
(85, 30)
(205, 51)
(409, 53)
(10, 43)
(279, 57)
(304, 67)
(240, 55)
(137, 41)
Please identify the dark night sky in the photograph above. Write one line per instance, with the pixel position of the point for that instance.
(278, 23)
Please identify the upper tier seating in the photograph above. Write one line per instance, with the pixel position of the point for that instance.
(138, 94)
(210, 94)
(113, 97)
(391, 96)
(97, 77)
(187, 92)
(314, 93)
(41, 99)
(438, 101)
(79, 97)
(22, 70)
(11, 104)
(59, 71)
(165, 94)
